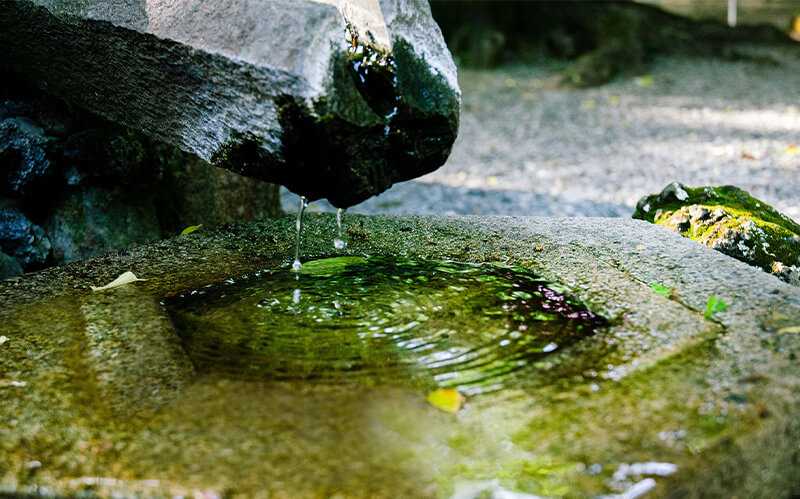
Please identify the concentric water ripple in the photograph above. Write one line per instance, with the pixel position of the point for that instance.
(380, 321)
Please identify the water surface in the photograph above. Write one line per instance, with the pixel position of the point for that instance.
(418, 323)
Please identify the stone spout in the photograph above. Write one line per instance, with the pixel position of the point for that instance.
(335, 99)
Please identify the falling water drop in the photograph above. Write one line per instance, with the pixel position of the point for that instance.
(303, 204)
(338, 242)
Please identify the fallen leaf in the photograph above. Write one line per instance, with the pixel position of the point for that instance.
(718, 150)
(122, 280)
(190, 229)
(589, 104)
(3, 339)
(613, 100)
(639, 247)
(447, 399)
(491, 180)
(747, 156)
(789, 330)
(791, 151)
(714, 305)
(644, 81)
(661, 289)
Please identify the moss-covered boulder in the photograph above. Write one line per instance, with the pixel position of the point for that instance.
(731, 221)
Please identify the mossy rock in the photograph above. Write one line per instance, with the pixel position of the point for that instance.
(9, 267)
(731, 221)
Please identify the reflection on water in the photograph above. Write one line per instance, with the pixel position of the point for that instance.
(380, 321)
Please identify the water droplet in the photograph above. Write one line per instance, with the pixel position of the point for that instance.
(338, 242)
(299, 225)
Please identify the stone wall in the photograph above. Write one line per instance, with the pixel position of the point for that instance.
(73, 185)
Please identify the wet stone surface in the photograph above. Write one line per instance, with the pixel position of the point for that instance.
(103, 394)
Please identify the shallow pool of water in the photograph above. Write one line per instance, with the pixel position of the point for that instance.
(380, 321)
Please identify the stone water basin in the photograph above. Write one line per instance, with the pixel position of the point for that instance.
(107, 393)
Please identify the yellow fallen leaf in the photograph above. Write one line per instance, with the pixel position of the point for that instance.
(190, 229)
(644, 81)
(122, 280)
(640, 247)
(447, 399)
(589, 104)
(791, 151)
(788, 330)
(491, 180)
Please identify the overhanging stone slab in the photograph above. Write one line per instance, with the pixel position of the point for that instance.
(718, 399)
(272, 89)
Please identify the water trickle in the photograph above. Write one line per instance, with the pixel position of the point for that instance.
(339, 242)
(374, 321)
(303, 205)
(388, 121)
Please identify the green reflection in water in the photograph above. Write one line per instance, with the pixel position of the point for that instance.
(380, 321)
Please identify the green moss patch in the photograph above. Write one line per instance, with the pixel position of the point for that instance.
(731, 221)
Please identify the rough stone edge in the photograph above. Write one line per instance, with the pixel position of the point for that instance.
(645, 253)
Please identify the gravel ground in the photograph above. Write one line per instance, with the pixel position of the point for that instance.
(524, 149)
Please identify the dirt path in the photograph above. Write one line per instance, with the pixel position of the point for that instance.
(524, 149)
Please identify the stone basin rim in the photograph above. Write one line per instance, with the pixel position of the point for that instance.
(529, 240)
(606, 263)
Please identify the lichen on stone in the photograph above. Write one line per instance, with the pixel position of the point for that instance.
(731, 221)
